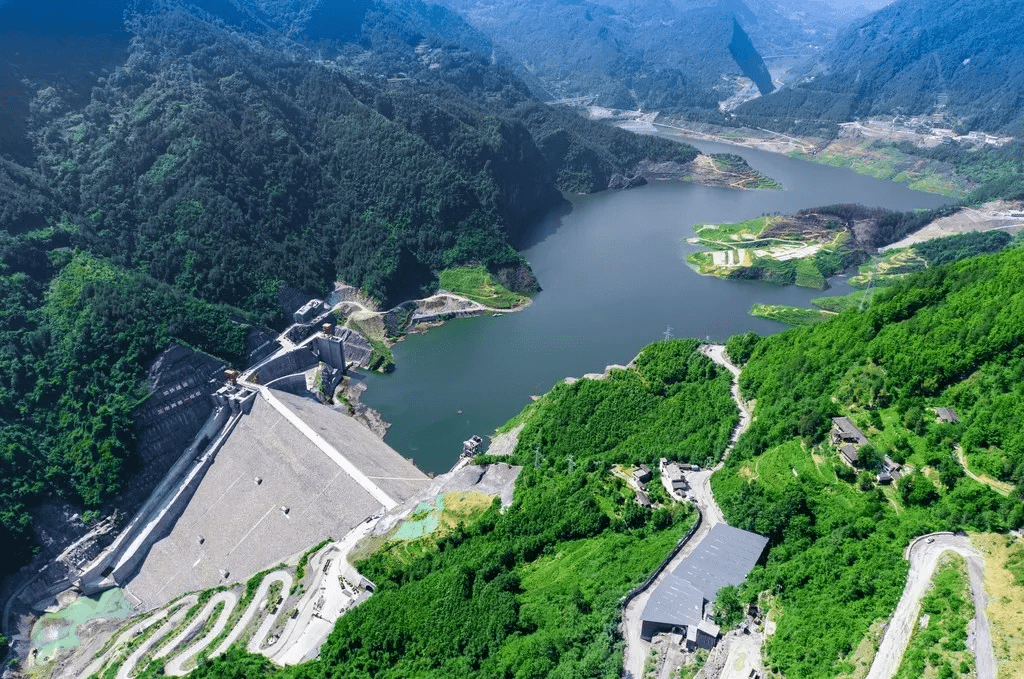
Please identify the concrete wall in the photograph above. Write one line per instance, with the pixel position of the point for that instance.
(293, 384)
(160, 510)
(331, 351)
(296, 361)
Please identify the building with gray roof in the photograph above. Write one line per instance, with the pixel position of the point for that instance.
(844, 430)
(683, 599)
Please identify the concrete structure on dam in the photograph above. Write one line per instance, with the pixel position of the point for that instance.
(291, 473)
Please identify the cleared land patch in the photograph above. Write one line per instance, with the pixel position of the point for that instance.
(1004, 583)
(477, 284)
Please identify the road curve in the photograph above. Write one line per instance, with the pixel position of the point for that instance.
(175, 664)
(268, 623)
(1003, 489)
(126, 636)
(923, 554)
(277, 576)
(168, 626)
(635, 650)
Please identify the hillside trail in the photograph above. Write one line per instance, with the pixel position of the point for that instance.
(635, 651)
(923, 554)
(1003, 489)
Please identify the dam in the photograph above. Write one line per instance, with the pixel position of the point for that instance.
(272, 471)
(270, 493)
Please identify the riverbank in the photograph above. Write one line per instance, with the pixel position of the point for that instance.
(883, 149)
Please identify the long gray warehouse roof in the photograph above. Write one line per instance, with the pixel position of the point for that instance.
(724, 557)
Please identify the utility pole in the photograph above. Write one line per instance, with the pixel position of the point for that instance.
(668, 332)
(572, 464)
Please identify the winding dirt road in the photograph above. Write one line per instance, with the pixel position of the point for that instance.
(1003, 489)
(923, 554)
(636, 649)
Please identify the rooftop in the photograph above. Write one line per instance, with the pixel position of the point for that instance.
(848, 430)
(724, 557)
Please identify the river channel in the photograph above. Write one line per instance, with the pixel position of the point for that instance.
(614, 279)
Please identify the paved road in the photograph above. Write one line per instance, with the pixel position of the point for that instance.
(174, 665)
(128, 666)
(636, 649)
(268, 623)
(924, 556)
(129, 634)
(254, 607)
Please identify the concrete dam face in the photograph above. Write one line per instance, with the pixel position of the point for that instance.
(291, 473)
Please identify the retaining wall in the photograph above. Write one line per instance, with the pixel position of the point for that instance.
(160, 511)
(298, 360)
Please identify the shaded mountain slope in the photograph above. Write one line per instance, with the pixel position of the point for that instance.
(959, 60)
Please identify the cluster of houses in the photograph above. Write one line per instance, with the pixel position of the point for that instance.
(672, 477)
(848, 438)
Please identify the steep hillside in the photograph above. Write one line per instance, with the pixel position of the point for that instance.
(958, 60)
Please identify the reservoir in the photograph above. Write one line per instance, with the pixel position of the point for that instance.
(614, 279)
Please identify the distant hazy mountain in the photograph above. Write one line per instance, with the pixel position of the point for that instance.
(959, 59)
(656, 54)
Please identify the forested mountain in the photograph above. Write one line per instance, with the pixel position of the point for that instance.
(958, 59)
(165, 175)
(655, 55)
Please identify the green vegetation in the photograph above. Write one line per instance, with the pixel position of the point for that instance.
(940, 645)
(790, 315)
(949, 335)
(860, 299)
(476, 283)
(534, 591)
(75, 330)
(961, 246)
(381, 357)
(740, 347)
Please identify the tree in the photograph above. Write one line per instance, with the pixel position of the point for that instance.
(917, 489)
(727, 609)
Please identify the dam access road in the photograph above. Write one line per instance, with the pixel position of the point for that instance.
(636, 649)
